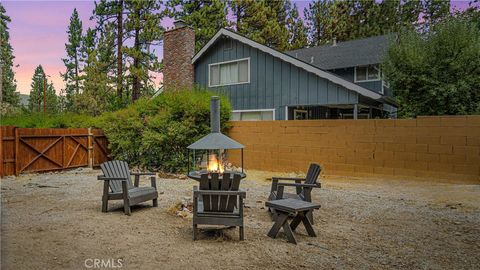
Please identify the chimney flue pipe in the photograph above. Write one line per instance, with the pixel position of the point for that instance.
(215, 114)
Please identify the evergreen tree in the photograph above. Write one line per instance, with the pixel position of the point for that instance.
(143, 25)
(317, 21)
(71, 76)
(262, 21)
(205, 16)
(296, 29)
(99, 72)
(36, 100)
(111, 12)
(8, 86)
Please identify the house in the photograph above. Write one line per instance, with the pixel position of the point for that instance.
(265, 84)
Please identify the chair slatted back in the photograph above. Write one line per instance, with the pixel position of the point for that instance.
(117, 168)
(219, 203)
(311, 178)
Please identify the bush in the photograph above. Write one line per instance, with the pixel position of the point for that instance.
(41, 120)
(437, 73)
(155, 133)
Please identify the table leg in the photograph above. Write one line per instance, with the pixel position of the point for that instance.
(296, 220)
(308, 226)
(279, 221)
(288, 231)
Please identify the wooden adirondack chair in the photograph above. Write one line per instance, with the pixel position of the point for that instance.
(303, 190)
(118, 186)
(218, 202)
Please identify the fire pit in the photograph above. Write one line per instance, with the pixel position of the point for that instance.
(210, 153)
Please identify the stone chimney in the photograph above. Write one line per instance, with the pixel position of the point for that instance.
(178, 51)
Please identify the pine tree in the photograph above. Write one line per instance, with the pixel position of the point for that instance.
(262, 21)
(99, 72)
(143, 25)
(8, 86)
(111, 12)
(296, 29)
(317, 19)
(36, 93)
(71, 76)
(205, 16)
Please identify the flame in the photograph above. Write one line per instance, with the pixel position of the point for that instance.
(214, 165)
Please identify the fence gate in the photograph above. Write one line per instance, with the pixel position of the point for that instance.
(44, 149)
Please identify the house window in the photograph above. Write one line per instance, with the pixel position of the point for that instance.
(253, 115)
(367, 73)
(300, 114)
(228, 73)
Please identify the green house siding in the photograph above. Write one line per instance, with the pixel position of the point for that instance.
(274, 83)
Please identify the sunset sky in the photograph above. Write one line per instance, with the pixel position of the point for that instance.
(38, 35)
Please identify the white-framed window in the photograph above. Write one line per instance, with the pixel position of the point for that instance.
(229, 72)
(253, 115)
(300, 114)
(367, 73)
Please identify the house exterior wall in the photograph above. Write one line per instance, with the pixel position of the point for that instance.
(274, 83)
(349, 75)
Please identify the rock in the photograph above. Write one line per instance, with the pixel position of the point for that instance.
(458, 234)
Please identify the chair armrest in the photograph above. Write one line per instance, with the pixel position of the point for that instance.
(143, 173)
(299, 185)
(288, 178)
(240, 193)
(104, 178)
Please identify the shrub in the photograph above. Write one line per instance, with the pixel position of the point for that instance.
(41, 120)
(155, 133)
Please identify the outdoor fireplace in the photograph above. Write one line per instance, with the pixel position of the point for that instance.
(210, 153)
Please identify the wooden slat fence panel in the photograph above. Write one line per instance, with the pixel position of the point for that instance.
(47, 149)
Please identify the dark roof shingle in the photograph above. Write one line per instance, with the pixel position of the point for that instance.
(351, 53)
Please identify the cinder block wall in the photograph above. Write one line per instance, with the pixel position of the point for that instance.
(429, 147)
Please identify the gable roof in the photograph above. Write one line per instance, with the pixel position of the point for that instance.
(359, 52)
(289, 59)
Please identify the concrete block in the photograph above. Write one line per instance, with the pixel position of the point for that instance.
(440, 149)
(453, 140)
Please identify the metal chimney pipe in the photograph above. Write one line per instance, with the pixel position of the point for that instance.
(215, 114)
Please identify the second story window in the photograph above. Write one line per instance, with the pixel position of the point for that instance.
(367, 73)
(228, 73)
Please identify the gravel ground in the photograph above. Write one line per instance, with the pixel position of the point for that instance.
(53, 221)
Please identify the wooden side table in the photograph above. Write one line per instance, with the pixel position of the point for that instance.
(291, 206)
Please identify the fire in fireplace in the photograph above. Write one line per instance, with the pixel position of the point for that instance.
(210, 153)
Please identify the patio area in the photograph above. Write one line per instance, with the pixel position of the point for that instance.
(54, 221)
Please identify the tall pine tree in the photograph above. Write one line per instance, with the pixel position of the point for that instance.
(205, 16)
(71, 77)
(8, 86)
(296, 29)
(262, 21)
(143, 26)
(111, 13)
(36, 100)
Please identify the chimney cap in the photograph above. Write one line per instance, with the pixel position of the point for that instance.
(179, 23)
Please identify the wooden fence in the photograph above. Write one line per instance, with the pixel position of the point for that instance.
(26, 150)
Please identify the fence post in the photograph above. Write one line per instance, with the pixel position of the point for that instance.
(17, 145)
(2, 170)
(90, 148)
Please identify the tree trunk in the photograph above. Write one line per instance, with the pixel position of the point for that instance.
(76, 72)
(119, 49)
(136, 64)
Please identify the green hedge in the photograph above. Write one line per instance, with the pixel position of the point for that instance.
(155, 133)
(41, 120)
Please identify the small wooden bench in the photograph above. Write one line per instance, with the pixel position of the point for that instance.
(283, 208)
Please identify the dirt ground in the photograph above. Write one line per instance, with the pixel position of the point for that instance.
(54, 221)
